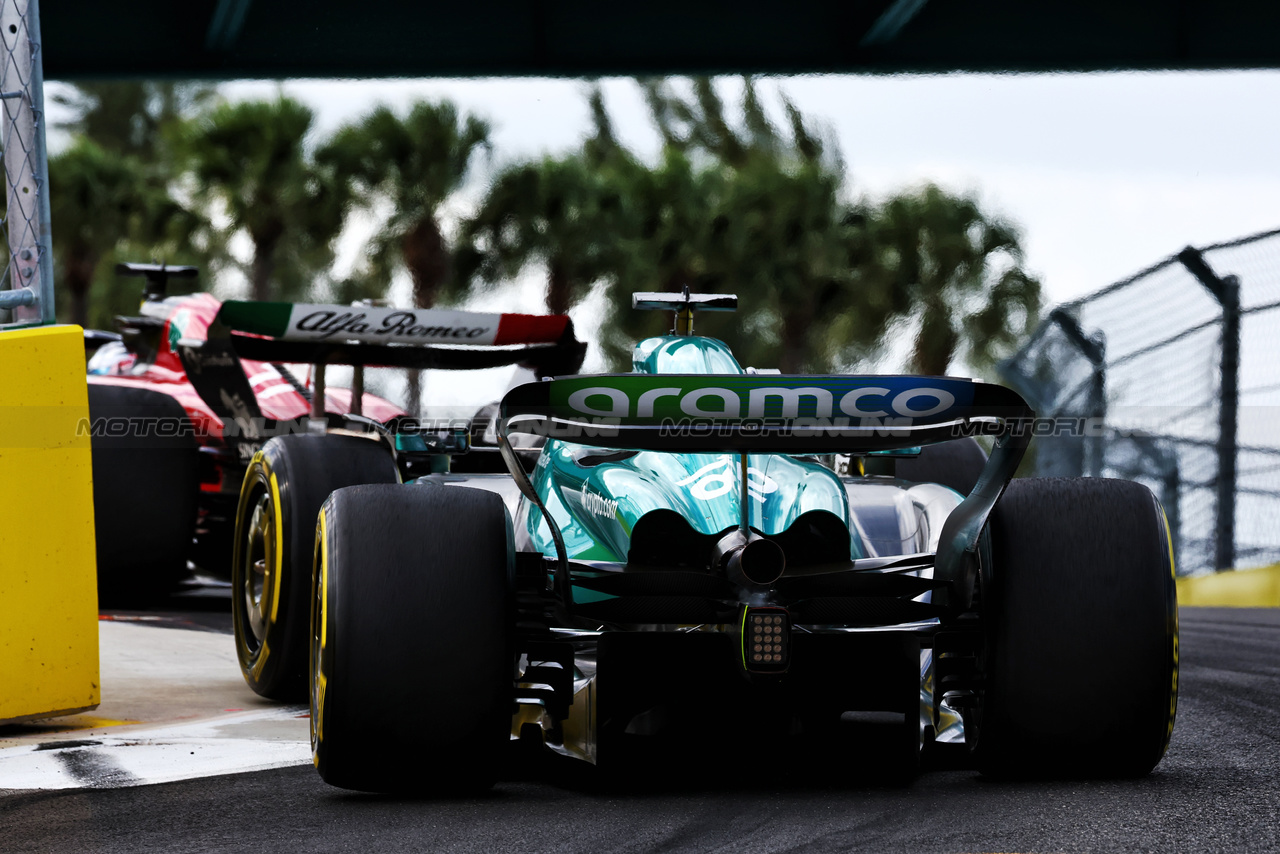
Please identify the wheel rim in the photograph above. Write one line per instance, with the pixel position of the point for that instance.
(258, 571)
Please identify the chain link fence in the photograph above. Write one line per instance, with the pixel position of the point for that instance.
(26, 284)
(1172, 378)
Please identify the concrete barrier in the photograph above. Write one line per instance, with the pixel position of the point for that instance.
(48, 585)
(1241, 588)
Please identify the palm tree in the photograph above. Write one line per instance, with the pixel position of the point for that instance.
(111, 192)
(560, 212)
(797, 256)
(668, 243)
(571, 214)
(960, 272)
(745, 207)
(415, 164)
(251, 158)
(131, 117)
(102, 201)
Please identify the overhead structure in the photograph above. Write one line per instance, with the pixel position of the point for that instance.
(410, 38)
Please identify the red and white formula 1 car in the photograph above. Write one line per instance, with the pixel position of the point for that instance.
(178, 409)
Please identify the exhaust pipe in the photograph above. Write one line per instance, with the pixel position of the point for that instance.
(751, 560)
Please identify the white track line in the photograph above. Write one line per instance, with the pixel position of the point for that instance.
(143, 756)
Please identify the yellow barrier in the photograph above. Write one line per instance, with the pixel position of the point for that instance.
(1240, 588)
(48, 585)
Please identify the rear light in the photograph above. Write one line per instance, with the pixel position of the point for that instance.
(766, 640)
(215, 466)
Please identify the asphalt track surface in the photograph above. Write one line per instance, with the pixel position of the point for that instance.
(1218, 789)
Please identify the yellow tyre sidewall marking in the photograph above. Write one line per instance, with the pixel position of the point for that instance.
(278, 525)
(317, 713)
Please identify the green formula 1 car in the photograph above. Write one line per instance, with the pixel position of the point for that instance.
(734, 553)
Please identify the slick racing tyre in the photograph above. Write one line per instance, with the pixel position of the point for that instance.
(412, 639)
(1080, 613)
(955, 464)
(285, 485)
(145, 487)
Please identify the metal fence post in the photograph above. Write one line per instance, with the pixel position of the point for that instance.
(1228, 416)
(1172, 503)
(1226, 290)
(1094, 349)
(26, 165)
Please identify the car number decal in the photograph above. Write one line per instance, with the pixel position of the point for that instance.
(715, 479)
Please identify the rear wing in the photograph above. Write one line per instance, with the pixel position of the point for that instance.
(157, 276)
(744, 414)
(400, 338)
(361, 336)
(699, 413)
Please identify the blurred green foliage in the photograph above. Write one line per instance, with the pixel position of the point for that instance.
(413, 165)
(738, 204)
(734, 202)
(114, 196)
(252, 172)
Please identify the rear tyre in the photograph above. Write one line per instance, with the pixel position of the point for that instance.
(412, 639)
(1081, 659)
(285, 485)
(145, 487)
(955, 464)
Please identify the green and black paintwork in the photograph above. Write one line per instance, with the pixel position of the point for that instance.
(668, 506)
(629, 525)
